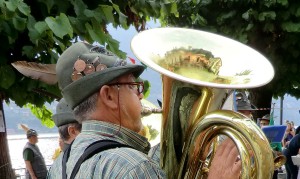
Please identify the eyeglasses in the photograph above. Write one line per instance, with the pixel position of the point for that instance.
(139, 86)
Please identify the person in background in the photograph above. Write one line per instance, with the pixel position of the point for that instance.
(68, 129)
(105, 94)
(276, 146)
(244, 106)
(264, 121)
(34, 160)
(289, 134)
(68, 126)
(59, 149)
(292, 149)
(293, 125)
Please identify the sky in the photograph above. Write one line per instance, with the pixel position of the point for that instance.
(291, 108)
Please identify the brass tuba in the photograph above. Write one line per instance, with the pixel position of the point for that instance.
(199, 71)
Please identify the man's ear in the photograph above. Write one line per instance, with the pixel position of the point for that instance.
(71, 131)
(109, 96)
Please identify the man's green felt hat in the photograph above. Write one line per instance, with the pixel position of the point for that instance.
(76, 91)
(31, 132)
(64, 114)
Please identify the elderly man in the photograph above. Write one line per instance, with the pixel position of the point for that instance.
(105, 94)
(68, 129)
(34, 160)
(68, 126)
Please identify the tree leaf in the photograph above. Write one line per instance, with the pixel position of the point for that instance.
(95, 16)
(297, 14)
(291, 27)
(107, 11)
(97, 36)
(79, 7)
(266, 15)
(33, 33)
(282, 2)
(19, 23)
(24, 8)
(7, 76)
(113, 45)
(27, 51)
(41, 26)
(49, 4)
(147, 87)
(122, 17)
(60, 25)
(12, 5)
(42, 113)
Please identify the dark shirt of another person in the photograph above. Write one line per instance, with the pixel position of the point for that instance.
(294, 145)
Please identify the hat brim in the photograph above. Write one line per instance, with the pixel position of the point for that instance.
(63, 118)
(79, 90)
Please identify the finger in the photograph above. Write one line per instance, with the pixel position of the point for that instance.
(226, 147)
(237, 168)
(232, 157)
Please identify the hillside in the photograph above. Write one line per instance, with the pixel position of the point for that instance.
(15, 115)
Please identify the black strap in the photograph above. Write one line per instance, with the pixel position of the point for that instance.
(65, 159)
(92, 149)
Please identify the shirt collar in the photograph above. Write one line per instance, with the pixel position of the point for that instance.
(120, 134)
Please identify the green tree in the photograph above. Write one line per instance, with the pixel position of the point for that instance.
(271, 27)
(38, 31)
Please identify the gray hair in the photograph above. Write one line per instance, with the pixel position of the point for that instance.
(63, 130)
(83, 110)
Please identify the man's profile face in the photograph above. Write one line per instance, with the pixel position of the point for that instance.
(33, 139)
(130, 104)
(263, 123)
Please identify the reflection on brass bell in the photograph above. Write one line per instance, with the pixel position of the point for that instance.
(79, 65)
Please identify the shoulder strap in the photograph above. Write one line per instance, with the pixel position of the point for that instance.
(66, 156)
(93, 149)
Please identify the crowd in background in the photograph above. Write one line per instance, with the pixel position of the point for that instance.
(289, 145)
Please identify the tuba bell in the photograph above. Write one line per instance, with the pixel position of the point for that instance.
(199, 71)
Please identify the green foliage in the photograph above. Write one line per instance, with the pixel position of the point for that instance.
(60, 25)
(39, 31)
(42, 113)
(153, 132)
(7, 76)
(271, 27)
(147, 87)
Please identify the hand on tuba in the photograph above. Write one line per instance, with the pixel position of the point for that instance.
(225, 163)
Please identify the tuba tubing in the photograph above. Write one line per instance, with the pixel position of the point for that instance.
(185, 147)
(245, 134)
